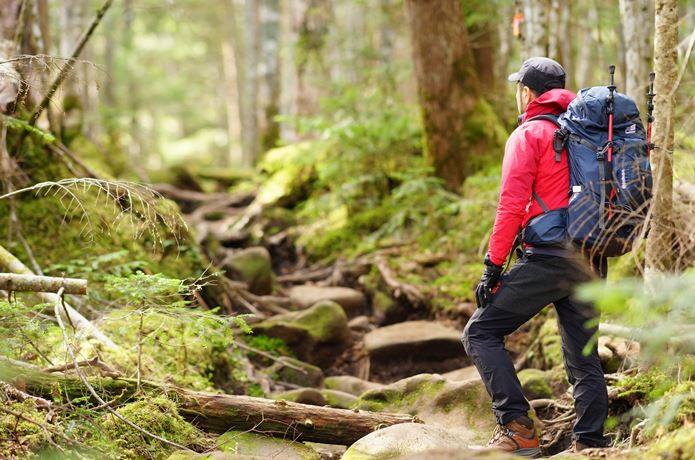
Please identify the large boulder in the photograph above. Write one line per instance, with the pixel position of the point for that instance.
(463, 407)
(407, 348)
(465, 373)
(460, 454)
(403, 439)
(352, 300)
(315, 334)
(297, 372)
(339, 399)
(350, 384)
(259, 446)
(252, 266)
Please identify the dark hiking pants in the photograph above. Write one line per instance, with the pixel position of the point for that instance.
(534, 282)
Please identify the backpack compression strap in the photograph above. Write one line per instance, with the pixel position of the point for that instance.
(559, 137)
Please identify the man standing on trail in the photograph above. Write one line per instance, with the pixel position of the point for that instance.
(534, 181)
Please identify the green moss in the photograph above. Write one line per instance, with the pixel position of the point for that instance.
(271, 345)
(678, 445)
(551, 343)
(646, 386)
(188, 349)
(535, 383)
(19, 436)
(159, 416)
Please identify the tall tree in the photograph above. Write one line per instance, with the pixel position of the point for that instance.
(459, 125)
(250, 139)
(536, 22)
(269, 73)
(636, 20)
(660, 243)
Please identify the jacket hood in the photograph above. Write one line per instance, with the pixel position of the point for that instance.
(553, 102)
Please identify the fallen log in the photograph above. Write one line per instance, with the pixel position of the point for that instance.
(35, 283)
(218, 413)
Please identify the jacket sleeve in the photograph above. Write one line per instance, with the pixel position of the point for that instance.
(518, 174)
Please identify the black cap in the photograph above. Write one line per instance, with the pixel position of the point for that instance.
(540, 74)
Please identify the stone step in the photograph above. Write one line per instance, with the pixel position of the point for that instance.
(353, 301)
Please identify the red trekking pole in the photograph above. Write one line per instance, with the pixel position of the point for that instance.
(650, 110)
(609, 109)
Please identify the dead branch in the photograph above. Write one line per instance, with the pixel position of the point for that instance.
(35, 283)
(104, 369)
(21, 396)
(400, 289)
(14, 265)
(543, 403)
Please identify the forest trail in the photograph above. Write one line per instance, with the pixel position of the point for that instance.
(354, 347)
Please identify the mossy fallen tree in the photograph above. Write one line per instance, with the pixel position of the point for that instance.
(217, 413)
(34, 283)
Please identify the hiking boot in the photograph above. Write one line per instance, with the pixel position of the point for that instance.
(518, 437)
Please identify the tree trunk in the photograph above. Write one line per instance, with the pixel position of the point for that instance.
(555, 34)
(636, 29)
(219, 413)
(251, 145)
(660, 253)
(536, 23)
(270, 78)
(454, 113)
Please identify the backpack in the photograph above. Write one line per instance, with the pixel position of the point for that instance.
(608, 199)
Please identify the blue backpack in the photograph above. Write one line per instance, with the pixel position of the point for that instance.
(608, 200)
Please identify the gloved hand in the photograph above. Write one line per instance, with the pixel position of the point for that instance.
(488, 282)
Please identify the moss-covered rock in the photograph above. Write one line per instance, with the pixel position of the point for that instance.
(290, 170)
(551, 343)
(462, 406)
(339, 399)
(159, 416)
(352, 300)
(252, 266)
(535, 384)
(403, 439)
(259, 446)
(349, 384)
(296, 372)
(322, 324)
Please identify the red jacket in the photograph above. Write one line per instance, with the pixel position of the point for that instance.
(529, 164)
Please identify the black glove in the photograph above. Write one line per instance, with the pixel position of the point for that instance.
(488, 282)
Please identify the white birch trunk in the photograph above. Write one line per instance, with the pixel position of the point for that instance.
(251, 53)
(536, 25)
(660, 251)
(637, 33)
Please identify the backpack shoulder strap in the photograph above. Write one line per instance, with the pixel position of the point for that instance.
(559, 137)
(546, 116)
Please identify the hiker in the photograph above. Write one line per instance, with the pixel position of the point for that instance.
(535, 179)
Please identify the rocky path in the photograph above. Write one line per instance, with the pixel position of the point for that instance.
(358, 344)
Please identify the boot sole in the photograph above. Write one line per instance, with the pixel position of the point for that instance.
(529, 452)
